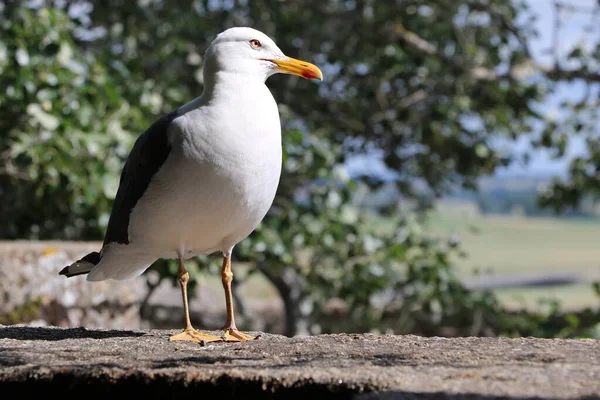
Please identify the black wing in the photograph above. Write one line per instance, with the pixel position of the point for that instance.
(149, 153)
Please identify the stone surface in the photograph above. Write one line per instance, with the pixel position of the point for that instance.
(116, 363)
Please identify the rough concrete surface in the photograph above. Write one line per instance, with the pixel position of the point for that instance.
(49, 361)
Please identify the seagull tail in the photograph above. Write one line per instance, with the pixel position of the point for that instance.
(83, 266)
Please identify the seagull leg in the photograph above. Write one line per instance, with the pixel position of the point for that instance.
(189, 333)
(231, 332)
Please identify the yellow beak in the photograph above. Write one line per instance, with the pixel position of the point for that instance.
(298, 67)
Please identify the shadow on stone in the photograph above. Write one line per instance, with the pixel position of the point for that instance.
(408, 395)
(10, 358)
(163, 387)
(42, 333)
(228, 388)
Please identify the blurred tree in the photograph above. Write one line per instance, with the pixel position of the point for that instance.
(65, 126)
(413, 80)
(425, 85)
(428, 108)
(576, 63)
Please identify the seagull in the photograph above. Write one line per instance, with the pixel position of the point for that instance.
(200, 179)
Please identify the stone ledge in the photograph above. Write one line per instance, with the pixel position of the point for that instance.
(47, 361)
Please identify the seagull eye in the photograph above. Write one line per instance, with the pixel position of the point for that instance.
(255, 44)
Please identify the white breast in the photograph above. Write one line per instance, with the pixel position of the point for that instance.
(219, 180)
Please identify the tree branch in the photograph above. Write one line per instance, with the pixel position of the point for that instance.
(555, 34)
(291, 300)
(571, 74)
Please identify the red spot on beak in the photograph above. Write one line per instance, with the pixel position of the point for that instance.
(309, 74)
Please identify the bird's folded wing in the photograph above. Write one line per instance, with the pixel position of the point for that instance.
(149, 153)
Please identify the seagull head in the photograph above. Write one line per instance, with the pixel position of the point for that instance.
(248, 51)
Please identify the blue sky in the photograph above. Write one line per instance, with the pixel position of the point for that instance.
(570, 34)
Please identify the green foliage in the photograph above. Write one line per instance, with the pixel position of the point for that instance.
(419, 83)
(552, 322)
(65, 129)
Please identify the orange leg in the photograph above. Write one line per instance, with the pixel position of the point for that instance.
(189, 333)
(231, 332)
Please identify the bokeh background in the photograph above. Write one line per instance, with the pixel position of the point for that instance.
(442, 180)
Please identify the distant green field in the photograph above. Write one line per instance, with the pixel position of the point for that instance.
(516, 244)
(520, 244)
(571, 297)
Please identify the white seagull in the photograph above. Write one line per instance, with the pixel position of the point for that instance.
(200, 179)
